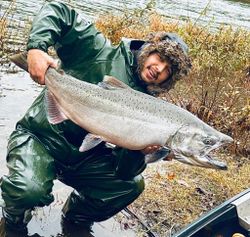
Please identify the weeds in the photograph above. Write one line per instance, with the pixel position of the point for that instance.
(217, 91)
(218, 88)
(4, 27)
(175, 194)
(13, 34)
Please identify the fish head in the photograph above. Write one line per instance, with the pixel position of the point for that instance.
(192, 145)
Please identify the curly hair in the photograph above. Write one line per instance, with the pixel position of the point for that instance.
(171, 48)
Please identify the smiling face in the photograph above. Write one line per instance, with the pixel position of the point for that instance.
(155, 70)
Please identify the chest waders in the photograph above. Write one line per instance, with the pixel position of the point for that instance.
(104, 180)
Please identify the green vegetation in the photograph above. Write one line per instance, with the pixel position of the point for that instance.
(217, 91)
(13, 34)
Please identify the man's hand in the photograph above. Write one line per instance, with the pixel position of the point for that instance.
(153, 148)
(169, 157)
(38, 63)
(150, 149)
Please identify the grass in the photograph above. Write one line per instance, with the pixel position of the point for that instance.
(177, 194)
(217, 90)
(13, 34)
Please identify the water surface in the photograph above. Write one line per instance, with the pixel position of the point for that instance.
(228, 12)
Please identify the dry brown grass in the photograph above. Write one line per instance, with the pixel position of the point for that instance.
(218, 88)
(177, 194)
(13, 34)
(218, 91)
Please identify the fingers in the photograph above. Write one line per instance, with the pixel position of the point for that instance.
(150, 149)
(169, 157)
(53, 63)
(38, 63)
(154, 148)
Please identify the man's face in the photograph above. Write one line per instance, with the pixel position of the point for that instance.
(155, 70)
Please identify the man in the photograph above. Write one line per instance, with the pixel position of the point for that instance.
(105, 180)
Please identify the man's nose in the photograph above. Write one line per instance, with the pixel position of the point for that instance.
(161, 68)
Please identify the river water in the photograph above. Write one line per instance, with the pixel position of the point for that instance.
(228, 12)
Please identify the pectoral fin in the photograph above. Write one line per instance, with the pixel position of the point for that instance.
(54, 113)
(157, 155)
(90, 141)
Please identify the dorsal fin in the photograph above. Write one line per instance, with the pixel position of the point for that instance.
(112, 83)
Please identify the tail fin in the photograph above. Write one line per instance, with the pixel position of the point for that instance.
(20, 60)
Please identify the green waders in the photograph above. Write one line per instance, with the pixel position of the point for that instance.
(105, 180)
(98, 194)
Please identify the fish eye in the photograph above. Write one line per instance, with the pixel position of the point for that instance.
(209, 141)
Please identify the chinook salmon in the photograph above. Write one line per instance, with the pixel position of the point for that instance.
(115, 113)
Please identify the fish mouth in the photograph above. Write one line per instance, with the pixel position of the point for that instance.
(210, 162)
(205, 157)
(205, 161)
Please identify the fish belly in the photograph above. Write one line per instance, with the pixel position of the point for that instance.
(123, 130)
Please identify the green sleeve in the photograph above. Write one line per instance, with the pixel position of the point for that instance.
(74, 37)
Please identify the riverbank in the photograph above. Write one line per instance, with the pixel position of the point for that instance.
(218, 92)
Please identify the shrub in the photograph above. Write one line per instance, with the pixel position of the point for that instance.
(218, 88)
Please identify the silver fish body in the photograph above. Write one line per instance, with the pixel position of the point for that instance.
(134, 120)
(121, 116)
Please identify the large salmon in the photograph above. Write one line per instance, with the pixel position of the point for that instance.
(113, 112)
